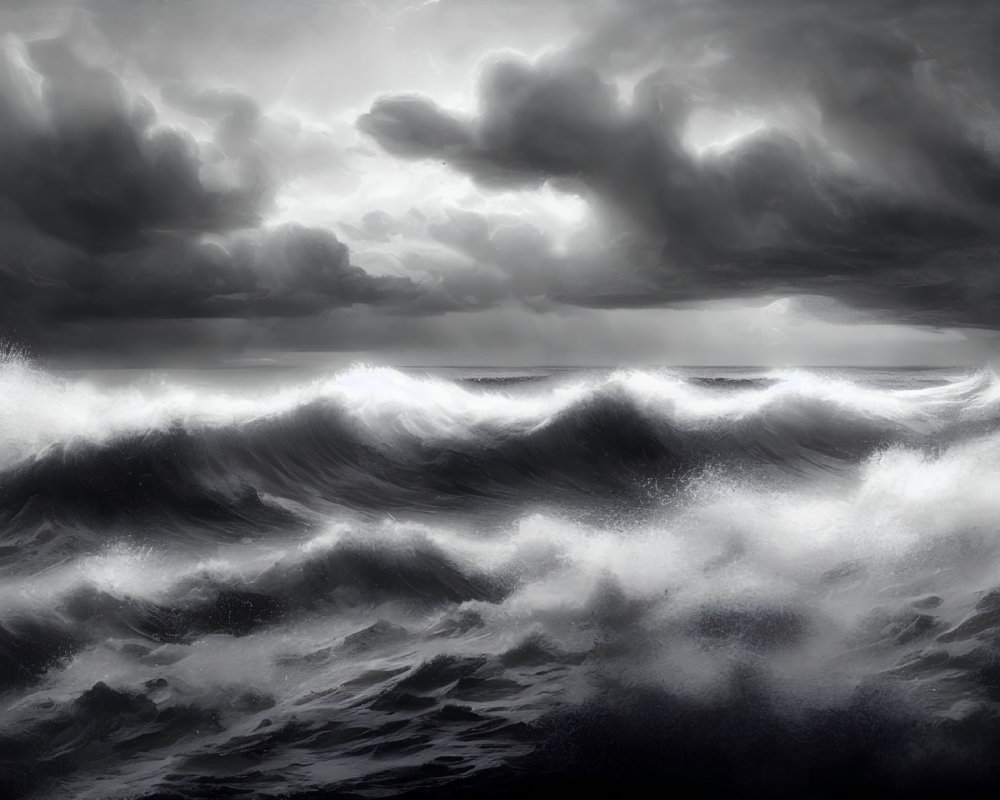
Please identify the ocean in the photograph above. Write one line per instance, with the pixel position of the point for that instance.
(374, 582)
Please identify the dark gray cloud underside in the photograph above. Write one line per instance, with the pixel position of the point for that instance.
(106, 215)
(888, 200)
(873, 180)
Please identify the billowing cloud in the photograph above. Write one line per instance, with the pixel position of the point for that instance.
(85, 164)
(870, 178)
(289, 271)
(107, 213)
(176, 168)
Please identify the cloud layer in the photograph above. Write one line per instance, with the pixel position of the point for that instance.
(108, 214)
(172, 170)
(872, 177)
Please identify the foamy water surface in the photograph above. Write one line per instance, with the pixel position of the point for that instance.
(377, 582)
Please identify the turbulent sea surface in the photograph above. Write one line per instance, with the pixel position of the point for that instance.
(381, 583)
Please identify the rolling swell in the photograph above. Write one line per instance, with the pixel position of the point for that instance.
(593, 445)
(315, 455)
(214, 595)
(351, 573)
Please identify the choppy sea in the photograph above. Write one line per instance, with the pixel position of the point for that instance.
(486, 583)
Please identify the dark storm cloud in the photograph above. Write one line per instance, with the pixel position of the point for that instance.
(415, 127)
(289, 271)
(89, 168)
(882, 191)
(106, 214)
(871, 181)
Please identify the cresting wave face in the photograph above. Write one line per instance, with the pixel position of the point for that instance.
(376, 582)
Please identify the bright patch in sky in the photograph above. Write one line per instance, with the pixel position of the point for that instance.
(545, 207)
(712, 132)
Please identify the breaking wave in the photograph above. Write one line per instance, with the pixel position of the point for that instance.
(381, 583)
(378, 439)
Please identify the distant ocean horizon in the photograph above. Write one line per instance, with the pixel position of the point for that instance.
(453, 581)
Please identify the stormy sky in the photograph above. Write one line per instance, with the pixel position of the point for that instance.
(477, 181)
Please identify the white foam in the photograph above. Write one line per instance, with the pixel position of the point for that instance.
(39, 410)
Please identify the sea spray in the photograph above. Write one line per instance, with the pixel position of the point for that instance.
(376, 578)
